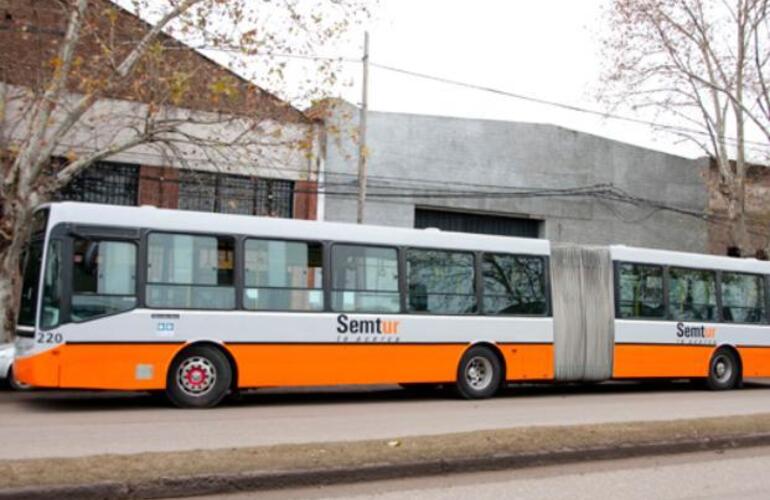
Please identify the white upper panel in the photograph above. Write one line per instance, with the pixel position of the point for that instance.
(204, 222)
(684, 259)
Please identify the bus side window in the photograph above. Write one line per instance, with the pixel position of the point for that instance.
(186, 271)
(692, 295)
(514, 284)
(283, 275)
(365, 279)
(640, 293)
(440, 282)
(103, 278)
(743, 298)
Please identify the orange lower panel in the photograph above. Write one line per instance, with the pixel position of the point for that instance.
(639, 361)
(331, 364)
(144, 366)
(756, 361)
(528, 361)
(100, 366)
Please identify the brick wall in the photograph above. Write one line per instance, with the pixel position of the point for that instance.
(32, 30)
(154, 188)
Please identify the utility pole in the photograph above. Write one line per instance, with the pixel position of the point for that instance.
(362, 152)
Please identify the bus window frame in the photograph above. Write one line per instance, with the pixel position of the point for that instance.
(66, 233)
(476, 290)
(717, 291)
(71, 285)
(616, 290)
(237, 269)
(330, 288)
(763, 277)
(325, 251)
(546, 289)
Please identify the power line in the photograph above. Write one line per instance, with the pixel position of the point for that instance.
(546, 102)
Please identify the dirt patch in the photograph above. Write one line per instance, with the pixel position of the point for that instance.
(144, 467)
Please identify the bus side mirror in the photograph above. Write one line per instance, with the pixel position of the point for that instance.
(90, 256)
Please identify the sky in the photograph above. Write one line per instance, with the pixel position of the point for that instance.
(545, 49)
(548, 49)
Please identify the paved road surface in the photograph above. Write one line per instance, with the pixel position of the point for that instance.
(55, 424)
(735, 474)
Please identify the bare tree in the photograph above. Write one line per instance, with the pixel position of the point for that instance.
(118, 79)
(704, 62)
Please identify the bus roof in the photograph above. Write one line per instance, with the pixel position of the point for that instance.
(216, 223)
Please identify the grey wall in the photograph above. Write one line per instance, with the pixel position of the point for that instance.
(411, 153)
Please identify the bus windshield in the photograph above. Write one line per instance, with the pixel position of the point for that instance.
(31, 264)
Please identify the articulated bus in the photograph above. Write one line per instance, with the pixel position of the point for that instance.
(199, 305)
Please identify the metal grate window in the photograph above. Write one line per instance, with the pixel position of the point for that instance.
(235, 194)
(104, 182)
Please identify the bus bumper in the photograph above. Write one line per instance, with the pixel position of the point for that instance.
(38, 370)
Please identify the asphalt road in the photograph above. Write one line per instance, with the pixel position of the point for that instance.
(714, 475)
(59, 424)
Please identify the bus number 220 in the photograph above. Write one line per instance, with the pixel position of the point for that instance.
(49, 338)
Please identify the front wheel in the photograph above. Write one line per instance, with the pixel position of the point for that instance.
(479, 374)
(724, 371)
(15, 383)
(199, 377)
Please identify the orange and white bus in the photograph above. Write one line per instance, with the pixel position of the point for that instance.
(199, 305)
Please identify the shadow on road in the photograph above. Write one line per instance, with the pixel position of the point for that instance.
(51, 400)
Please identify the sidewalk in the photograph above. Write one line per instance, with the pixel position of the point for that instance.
(198, 472)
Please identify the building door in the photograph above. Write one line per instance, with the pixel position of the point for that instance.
(476, 223)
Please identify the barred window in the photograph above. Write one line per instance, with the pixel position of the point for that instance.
(235, 194)
(104, 182)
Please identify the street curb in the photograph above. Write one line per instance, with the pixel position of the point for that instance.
(260, 481)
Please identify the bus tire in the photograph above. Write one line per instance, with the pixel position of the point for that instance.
(15, 384)
(199, 377)
(479, 374)
(724, 371)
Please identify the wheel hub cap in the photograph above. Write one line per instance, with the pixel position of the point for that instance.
(196, 376)
(478, 373)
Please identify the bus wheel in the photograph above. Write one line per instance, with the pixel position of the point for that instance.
(199, 377)
(724, 371)
(479, 374)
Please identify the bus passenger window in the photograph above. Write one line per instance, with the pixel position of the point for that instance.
(692, 295)
(190, 272)
(365, 279)
(514, 284)
(743, 298)
(283, 276)
(103, 278)
(640, 291)
(440, 282)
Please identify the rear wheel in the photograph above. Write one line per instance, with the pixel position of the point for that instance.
(199, 377)
(724, 371)
(479, 374)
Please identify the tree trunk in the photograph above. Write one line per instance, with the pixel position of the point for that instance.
(736, 215)
(18, 220)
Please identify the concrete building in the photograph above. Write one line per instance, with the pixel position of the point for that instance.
(511, 178)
